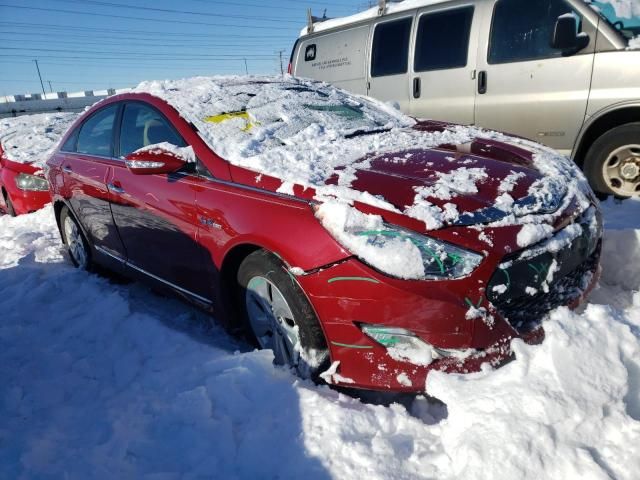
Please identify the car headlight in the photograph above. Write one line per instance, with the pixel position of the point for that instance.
(441, 260)
(31, 182)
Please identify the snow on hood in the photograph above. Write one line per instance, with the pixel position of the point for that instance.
(315, 135)
(30, 138)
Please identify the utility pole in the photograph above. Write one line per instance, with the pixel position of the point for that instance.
(281, 66)
(50, 87)
(40, 77)
(246, 68)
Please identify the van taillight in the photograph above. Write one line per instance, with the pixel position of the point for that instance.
(289, 68)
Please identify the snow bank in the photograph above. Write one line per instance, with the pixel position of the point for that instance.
(29, 138)
(101, 379)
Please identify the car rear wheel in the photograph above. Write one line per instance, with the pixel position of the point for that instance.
(74, 239)
(278, 316)
(612, 164)
(7, 201)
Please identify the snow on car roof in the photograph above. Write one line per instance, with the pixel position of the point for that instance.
(29, 138)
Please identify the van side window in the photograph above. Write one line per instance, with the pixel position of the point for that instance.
(390, 49)
(522, 31)
(443, 40)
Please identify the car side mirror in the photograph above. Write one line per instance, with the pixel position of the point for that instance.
(154, 161)
(565, 37)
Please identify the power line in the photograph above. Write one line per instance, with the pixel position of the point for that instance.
(163, 34)
(183, 12)
(129, 44)
(308, 2)
(143, 58)
(143, 54)
(257, 5)
(129, 17)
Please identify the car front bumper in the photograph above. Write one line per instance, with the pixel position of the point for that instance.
(350, 294)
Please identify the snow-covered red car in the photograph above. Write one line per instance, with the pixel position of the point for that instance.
(24, 145)
(360, 245)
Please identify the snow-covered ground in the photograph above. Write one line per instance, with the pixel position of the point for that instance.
(101, 379)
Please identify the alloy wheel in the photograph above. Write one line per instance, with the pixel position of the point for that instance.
(272, 320)
(75, 242)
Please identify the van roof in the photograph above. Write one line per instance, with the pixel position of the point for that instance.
(369, 14)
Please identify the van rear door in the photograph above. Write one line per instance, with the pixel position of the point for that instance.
(337, 57)
(389, 76)
(444, 62)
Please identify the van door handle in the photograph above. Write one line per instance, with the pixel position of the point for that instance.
(115, 188)
(416, 87)
(482, 82)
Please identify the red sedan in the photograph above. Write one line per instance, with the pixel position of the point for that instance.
(360, 245)
(24, 145)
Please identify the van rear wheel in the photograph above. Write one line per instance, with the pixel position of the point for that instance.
(612, 164)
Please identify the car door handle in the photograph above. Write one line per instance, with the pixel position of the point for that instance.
(482, 82)
(67, 169)
(115, 188)
(416, 87)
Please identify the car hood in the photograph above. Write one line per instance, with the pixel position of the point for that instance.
(483, 180)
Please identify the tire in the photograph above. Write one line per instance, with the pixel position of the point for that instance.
(7, 201)
(72, 236)
(276, 314)
(612, 164)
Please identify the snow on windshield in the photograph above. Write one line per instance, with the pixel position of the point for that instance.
(29, 138)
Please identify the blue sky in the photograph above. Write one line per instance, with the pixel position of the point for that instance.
(113, 45)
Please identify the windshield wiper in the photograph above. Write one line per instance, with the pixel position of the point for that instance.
(359, 133)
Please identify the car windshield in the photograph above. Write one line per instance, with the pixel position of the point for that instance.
(278, 112)
(624, 16)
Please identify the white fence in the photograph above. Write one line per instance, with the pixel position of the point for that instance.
(15, 105)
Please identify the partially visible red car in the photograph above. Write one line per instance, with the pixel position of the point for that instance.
(24, 145)
(360, 245)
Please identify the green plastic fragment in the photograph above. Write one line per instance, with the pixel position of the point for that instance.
(354, 279)
(347, 345)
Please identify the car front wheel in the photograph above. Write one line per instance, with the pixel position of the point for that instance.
(75, 241)
(278, 316)
(612, 164)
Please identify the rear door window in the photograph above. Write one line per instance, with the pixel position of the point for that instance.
(96, 134)
(443, 40)
(142, 126)
(390, 48)
(522, 31)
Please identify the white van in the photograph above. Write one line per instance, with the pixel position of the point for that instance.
(562, 72)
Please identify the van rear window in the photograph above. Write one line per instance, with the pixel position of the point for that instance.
(390, 49)
(443, 40)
